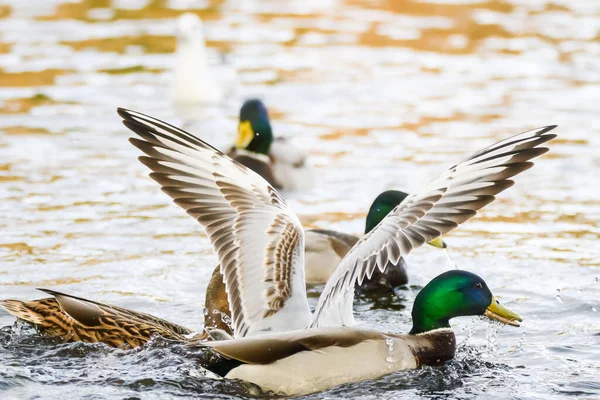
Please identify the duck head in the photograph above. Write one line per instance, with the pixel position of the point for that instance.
(383, 205)
(453, 294)
(190, 29)
(254, 129)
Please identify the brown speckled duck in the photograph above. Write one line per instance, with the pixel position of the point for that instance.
(260, 245)
(75, 319)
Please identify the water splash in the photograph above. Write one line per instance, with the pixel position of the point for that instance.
(19, 326)
(558, 297)
(449, 258)
(389, 342)
(470, 329)
(225, 318)
(491, 334)
(519, 346)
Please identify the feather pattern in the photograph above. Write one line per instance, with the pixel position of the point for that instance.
(260, 242)
(257, 236)
(435, 209)
(75, 319)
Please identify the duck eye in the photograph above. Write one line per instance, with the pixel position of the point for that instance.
(478, 285)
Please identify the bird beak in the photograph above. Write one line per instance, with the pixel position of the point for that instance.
(498, 312)
(245, 135)
(439, 243)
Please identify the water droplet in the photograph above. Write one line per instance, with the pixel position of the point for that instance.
(558, 298)
(470, 330)
(450, 259)
(18, 326)
(521, 341)
(390, 345)
(490, 335)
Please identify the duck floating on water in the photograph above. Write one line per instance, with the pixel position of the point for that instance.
(280, 163)
(259, 240)
(312, 360)
(325, 249)
(260, 245)
(75, 319)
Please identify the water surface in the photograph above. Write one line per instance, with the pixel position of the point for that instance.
(383, 94)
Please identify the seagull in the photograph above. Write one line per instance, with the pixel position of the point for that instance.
(195, 82)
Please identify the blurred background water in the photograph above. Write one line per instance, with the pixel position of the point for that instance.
(382, 94)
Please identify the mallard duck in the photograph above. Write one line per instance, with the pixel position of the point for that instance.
(259, 240)
(325, 249)
(195, 81)
(281, 164)
(311, 360)
(75, 319)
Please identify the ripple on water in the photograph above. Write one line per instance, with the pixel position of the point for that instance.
(160, 366)
(409, 87)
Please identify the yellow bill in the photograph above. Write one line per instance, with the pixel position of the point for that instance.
(498, 312)
(245, 135)
(439, 243)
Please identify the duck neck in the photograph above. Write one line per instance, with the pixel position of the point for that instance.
(430, 311)
(434, 347)
(426, 323)
(261, 143)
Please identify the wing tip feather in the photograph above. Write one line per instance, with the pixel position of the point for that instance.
(124, 113)
(547, 128)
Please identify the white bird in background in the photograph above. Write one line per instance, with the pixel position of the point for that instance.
(195, 81)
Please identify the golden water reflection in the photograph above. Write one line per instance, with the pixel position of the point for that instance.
(383, 94)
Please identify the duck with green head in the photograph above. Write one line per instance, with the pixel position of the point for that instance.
(275, 159)
(260, 241)
(311, 360)
(325, 249)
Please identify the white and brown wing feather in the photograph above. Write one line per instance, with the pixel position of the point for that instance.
(437, 208)
(257, 236)
(280, 255)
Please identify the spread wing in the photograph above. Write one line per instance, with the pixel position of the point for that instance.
(257, 236)
(437, 208)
